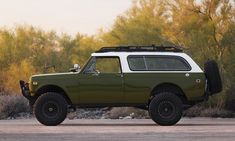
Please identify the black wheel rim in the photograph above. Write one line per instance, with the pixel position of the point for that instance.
(50, 109)
(166, 109)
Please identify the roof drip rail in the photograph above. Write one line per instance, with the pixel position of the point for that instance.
(151, 48)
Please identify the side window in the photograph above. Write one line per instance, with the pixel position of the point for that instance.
(166, 63)
(136, 63)
(158, 63)
(90, 67)
(103, 65)
(108, 65)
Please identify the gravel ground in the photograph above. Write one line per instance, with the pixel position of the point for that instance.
(205, 129)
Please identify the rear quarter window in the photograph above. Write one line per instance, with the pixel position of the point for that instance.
(157, 63)
(136, 63)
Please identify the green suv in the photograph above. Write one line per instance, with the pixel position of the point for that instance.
(163, 80)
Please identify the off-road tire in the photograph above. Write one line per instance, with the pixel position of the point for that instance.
(166, 108)
(214, 82)
(50, 109)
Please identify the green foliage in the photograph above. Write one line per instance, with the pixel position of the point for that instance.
(207, 29)
(143, 24)
(17, 72)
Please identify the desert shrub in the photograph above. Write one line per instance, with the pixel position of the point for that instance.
(193, 112)
(12, 106)
(230, 99)
(217, 112)
(202, 111)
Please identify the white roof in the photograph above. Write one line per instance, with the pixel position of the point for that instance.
(125, 67)
(136, 53)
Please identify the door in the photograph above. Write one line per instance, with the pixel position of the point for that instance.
(101, 82)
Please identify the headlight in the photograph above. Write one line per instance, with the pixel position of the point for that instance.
(35, 83)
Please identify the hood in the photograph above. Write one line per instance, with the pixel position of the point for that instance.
(54, 74)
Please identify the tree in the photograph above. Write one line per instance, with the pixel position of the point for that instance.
(16, 72)
(207, 29)
(143, 24)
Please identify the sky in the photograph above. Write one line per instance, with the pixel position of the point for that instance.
(63, 16)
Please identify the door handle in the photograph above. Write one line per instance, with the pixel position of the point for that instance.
(95, 74)
(187, 74)
(120, 75)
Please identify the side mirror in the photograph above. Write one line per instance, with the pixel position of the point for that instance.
(75, 68)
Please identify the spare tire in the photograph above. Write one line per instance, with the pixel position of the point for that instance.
(214, 83)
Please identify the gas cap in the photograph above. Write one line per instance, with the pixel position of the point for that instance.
(198, 80)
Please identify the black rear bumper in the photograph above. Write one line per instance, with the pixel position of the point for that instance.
(25, 89)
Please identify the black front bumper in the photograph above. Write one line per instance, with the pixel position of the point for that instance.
(25, 89)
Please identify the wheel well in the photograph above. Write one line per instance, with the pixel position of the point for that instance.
(169, 87)
(51, 88)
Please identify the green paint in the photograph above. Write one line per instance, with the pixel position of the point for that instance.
(128, 88)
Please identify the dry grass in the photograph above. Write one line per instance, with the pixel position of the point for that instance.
(230, 99)
(202, 111)
(13, 106)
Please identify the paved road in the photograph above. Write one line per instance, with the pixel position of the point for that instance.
(201, 129)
